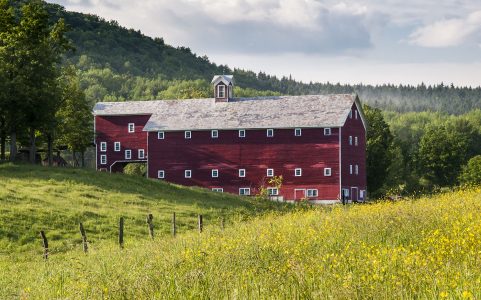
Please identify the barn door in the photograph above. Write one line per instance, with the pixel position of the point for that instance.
(299, 194)
(354, 194)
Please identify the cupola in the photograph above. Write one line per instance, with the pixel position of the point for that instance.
(223, 88)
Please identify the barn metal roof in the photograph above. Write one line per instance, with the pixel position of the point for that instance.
(239, 113)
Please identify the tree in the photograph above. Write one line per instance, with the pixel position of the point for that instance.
(471, 173)
(378, 144)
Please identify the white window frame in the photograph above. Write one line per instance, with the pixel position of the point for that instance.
(218, 190)
(350, 114)
(214, 173)
(160, 135)
(327, 131)
(244, 191)
(103, 159)
(131, 127)
(356, 142)
(346, 192)
(327, 172)
(350, 169)
(214, 133)
(270, 132)
(355, 114)
(141, 151)
(103, 146)
(270, 173)
(242, 133)
(297, 132)
(356, 169)
(362, 194)
(128, 154)
(117, 147)
(187, 134)
(272, 191)
(311, 193)
(242, 172)
(298, 172)
(161, 174)
(350, 140)
(219, 91)
(187, 173)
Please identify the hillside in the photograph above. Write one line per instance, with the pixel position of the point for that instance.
(36, 198)
(125, 64)
(414, 249)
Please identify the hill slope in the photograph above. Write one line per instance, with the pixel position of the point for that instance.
(424, 249)
(55, 200)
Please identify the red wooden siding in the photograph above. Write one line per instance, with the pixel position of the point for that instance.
(113, 129)
(256, 153)
(353, 155)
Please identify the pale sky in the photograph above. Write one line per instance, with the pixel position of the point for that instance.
(350, 41)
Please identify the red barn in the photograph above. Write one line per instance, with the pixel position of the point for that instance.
(317, 143)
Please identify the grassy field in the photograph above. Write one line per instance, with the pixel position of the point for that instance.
(36, 198)
(428, 248)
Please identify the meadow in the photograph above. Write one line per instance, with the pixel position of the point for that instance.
(428, 248)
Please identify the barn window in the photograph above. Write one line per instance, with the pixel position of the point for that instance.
(187, 134)
(350, 169)
(298, 172)
(355, 114)
(103, 159)
(218, 190)
(356, 169)
(327, 131)
(272, 191)
(312, 192)
(117, 146)
(131, 127)
(103, 147)
(362, 194)
(242, 172)
(215, 173)
(161, 174)
(214, 134)
(270, 132)
(355, 141)
(160, 135)
(242, 133)
(350, 114)
(350, 140)
(297, 132)
(141, 153)
(270, 172)
(244, 191)
(128, 154)
(188, 173)
(345, 193)
(327, 171)
(221, 91)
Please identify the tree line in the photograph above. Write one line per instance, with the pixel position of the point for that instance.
(40, 98)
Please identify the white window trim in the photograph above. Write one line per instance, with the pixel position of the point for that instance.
(218, 190)
(141, 151)
(187, 134)
(313, 193)
(356, 170)
(242, 133)
(356, 141)
(350, 140)
(362, 194)
(103, 159)
(219, 89)
(117, 149)
(161, 174)
(272, 191)
(244, 191)
(160, 135)
(350, 114)
(128, 154)
(298, 172)
(271, 131)
(214, 173)
(242, 172)
(350, 169)
(103, 146)
(327, 131)
(131, 127)
(270, 173)
(355, 114)
(327, 172)
(297, 132)
(188, 174)
(346, 192)
(214, 134)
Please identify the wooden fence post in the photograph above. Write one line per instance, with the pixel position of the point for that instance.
(201, 225)
(45, 244)
(174, 229)
(150, 219)
(84, 237)
(121, 232)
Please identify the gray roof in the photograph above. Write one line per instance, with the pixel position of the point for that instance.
(240, 113)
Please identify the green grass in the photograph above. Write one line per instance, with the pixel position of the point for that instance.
(55, 200)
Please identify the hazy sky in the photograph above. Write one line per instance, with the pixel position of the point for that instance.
(350, 41)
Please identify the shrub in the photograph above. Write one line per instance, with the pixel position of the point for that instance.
(138, 169)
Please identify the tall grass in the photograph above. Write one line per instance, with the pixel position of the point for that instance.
(416, 249)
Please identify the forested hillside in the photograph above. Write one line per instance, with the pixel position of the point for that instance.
(119, 63)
